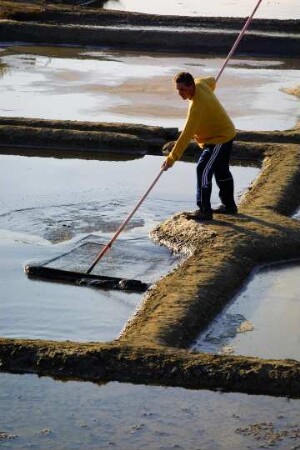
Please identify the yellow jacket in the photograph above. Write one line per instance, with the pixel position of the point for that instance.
(207, 121)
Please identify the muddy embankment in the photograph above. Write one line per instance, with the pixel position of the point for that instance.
(151, 365)
(75, 25)
(219, 255)
(86, 138)
(89, 139)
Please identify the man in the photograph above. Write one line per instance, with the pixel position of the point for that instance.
(210, 125)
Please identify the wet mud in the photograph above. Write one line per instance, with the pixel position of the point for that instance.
(151, 365)
(219, 256)
(84, 137)
(88, 139)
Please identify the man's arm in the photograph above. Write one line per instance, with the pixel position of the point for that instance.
(182, 142)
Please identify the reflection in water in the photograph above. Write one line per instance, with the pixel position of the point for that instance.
(4, 69)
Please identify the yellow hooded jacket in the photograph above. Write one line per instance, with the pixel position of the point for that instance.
(207, 121)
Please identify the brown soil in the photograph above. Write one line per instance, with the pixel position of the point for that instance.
(293, 91)
(83, 137)
(89, 139)
(151, 365)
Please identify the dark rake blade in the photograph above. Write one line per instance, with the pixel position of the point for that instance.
(85, 279)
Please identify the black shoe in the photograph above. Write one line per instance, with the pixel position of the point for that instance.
(222, 209)
(199, 215)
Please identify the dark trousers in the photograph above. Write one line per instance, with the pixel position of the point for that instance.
(214, 160)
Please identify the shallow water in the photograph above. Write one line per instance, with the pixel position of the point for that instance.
(95, 195)
(272, 9)
(120, 86)
(41, 310)
(51, 206)
(262, 320)
(73, 415)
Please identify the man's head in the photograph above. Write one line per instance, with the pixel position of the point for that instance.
(185, 85)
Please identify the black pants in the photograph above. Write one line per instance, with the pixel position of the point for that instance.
(214, 160)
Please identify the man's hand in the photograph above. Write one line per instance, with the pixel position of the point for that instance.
(165, 165)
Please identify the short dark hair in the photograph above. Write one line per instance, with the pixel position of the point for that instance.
(184, 77)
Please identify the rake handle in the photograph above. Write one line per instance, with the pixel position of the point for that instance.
(120, 229)
(241, 34)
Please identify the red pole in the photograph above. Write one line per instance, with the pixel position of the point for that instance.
(107, 247)
(247, 23)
